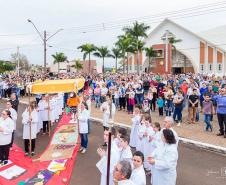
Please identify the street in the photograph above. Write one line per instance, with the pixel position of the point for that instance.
(195, 166)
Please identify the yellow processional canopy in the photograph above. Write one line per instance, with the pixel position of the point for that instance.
(57, 86)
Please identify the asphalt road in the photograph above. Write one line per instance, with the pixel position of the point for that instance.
(195, 166)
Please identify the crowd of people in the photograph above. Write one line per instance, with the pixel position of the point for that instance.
(150, 148)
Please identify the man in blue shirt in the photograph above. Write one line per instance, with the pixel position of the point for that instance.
(221, 112)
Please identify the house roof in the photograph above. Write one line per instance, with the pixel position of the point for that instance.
(185, 29)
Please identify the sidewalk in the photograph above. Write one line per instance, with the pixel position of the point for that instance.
(188, 132)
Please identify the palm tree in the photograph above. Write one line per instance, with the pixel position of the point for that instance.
(124, 44)
(77, 65)
(138, 31)
(58, 58)
(116, 54)
(87, 49)
(102, 52)
(150, 53)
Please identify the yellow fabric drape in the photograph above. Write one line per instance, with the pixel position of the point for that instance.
(57, 86)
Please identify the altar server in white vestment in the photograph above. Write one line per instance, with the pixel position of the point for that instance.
(13, 115)
(126, 153)
(107, 107)
(164, 160)
(29, 118)
(45, 115)
(102, 164)
(134, 137)
(138, 174)
(6, 130)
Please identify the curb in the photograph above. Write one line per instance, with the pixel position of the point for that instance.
(198, 144)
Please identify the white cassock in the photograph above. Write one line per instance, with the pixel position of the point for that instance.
(148, 148)
(126, 182)
(156, 140)
(140, 142)
(164, 170)
(138, 176)
(126, 154)
(6, 135)
(134, 137)
(42, 106)
(40, 122)
(105, 108)
(52, 105)
(102, 164)
(26, 124)
(13, 114)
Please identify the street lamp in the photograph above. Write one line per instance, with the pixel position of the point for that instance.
(44, 39)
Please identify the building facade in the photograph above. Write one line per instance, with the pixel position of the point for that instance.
(68, 66)
(192, 54)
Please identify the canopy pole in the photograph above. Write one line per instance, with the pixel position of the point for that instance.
(49, 116)
(29, 109)
(111, 123)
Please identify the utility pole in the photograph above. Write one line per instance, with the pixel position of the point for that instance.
(18, 61)
(44, 41)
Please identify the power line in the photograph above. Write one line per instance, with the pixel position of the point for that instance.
(119, 23)
(154, 17)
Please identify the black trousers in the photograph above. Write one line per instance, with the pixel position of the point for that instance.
(45, 126)
(27, 145)
(11, 144)
(222, 123)
(4, 152)
(153, 104)
(122, 102)
(160, 111)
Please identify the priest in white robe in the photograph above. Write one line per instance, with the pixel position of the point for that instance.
(164, 160)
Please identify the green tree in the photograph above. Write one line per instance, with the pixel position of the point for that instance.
(23, 61)
(116, 54)
(6, 66)
(87, 49)
(124, 43)
(58, 58)
(150, 53)
(102, 52)
(138, 31)
(77, 65)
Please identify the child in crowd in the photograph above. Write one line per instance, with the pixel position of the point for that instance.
(156, 139)
(116, 97)
(135, 127)
(160, 103)
(126, 153)
(146, 104)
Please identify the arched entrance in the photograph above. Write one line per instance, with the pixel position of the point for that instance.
(181, 63)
